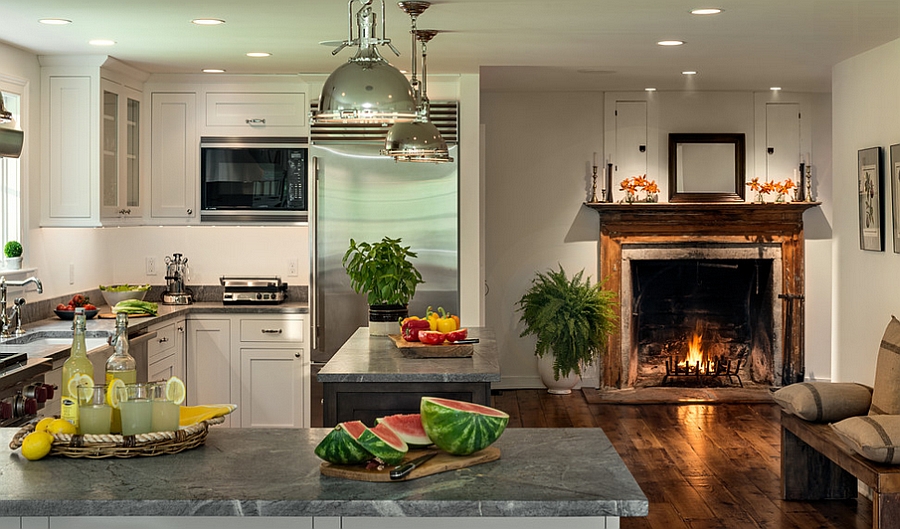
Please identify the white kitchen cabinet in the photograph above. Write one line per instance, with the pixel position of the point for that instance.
(253, 113)
(72, 96)
(174, 155)
(274, 368)
(120, 182)
(165, 352)
(209, 376)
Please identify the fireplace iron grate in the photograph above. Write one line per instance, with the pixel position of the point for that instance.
(703, 371)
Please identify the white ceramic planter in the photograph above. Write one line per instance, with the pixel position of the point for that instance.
(564, 385)
(13, 263)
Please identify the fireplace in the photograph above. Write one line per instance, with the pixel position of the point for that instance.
(730, 274)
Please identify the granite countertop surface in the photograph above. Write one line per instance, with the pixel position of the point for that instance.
(365, 358)
(42, 356)
(546, 472)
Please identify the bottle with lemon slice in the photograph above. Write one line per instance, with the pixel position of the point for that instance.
(120, 365)
(77, 371)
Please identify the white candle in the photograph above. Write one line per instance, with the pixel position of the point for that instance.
(796, 172)
(595, 158)
(808, 160)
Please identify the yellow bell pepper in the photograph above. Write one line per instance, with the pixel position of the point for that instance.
(447, 322)
(432, 318)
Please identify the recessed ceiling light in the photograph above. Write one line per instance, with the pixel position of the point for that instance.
(207, 21)
(55, 21)
(213, 70)
(259, 54)
(775, 88)
(650, 89)
(706, 11)
(670, 42)
(689, 72)
(101, 42)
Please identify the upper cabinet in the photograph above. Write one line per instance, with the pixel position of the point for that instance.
(174, 151)
(256, 113)
(90, 121)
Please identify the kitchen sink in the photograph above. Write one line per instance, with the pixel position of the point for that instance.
(41, 339)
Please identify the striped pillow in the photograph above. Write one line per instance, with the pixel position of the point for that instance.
(875, 437)
(824, 401)
(886, 397)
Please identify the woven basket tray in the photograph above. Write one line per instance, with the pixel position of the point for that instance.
(92, 446)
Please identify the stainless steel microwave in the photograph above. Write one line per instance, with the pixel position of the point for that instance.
(253, 179)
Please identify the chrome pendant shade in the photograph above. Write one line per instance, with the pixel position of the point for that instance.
(11, 139)
(367, 89)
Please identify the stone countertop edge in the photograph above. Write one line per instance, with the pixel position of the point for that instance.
(548, 472)
(38, 364)
(365, 358)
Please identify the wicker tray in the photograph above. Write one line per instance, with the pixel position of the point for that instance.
(92, 446)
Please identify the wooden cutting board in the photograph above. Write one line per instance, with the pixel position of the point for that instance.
(112, 316)
(421, 350)
(442, 462)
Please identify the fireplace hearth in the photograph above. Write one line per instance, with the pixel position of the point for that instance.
(731, 274)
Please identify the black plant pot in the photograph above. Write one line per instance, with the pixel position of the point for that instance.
(385, 319)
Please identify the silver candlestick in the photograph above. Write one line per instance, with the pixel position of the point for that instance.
(594, 186)
(809, 197)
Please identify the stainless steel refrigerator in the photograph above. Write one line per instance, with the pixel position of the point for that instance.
(357, 193)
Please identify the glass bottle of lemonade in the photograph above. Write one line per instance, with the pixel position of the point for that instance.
(120, 365)
(77, 365)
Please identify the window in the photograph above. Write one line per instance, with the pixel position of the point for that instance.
(10, 176)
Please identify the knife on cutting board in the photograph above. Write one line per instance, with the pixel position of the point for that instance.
(401, 471)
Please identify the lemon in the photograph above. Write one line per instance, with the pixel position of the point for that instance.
(60, 426)
(113, 393)
(175, 391)
(36, 445)
(81, 386)
(42, 424)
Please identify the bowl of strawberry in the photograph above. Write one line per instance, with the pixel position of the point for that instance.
(67, 311)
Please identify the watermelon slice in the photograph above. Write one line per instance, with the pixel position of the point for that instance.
(461, 428)
(341, 447)
(408, 427)
(384, 444)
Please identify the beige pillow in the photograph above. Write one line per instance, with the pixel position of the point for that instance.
(875, 437)
(886, 397)
(824, 401)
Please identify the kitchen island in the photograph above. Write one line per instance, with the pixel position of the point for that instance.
(369, 377)
(566, 477)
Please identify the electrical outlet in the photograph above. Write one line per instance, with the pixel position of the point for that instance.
(150, 265)
(293, 267)
(71, 273)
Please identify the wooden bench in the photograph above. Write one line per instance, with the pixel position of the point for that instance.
(816, 465)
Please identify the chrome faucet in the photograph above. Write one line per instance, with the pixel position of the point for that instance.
(5, 318)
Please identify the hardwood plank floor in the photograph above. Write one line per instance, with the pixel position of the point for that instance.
(701, 466)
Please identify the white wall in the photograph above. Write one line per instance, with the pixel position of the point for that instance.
(538, 149)
(867, 291)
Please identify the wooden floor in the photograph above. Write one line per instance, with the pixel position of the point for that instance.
(701, 466)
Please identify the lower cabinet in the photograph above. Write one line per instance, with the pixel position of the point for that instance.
(259, 362)
(165, 352)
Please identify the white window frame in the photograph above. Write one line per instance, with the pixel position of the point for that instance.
(12, 185)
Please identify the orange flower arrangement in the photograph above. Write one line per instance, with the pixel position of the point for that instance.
(781, 188)
(638, 183)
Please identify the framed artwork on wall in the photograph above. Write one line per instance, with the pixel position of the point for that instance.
(895, 195)
(871, 203)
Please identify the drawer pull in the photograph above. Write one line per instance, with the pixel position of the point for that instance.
(163, 340)
(271, 331)
(256, 121)
(298, 355)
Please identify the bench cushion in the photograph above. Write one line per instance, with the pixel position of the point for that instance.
(886, 395)
(875, 437)
(824, 401)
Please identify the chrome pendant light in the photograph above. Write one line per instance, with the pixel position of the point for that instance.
(367, 89)
(420, 140)
(11, 138)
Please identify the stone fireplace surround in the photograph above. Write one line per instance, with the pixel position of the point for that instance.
(764, 231)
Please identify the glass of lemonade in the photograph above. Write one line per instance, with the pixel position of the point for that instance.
(135, 407)
(165, 412)
(95, 415)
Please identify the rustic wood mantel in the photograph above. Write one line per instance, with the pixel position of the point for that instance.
(712, 223)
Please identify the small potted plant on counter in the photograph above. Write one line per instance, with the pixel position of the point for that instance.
(13, 252)
(571, 319)
(383, 272)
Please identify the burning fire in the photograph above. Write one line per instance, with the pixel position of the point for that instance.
(695, 358)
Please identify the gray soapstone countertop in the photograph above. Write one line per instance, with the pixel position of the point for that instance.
(548, 472)
(365, 358)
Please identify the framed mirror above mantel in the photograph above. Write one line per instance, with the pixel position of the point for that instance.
(706, 167)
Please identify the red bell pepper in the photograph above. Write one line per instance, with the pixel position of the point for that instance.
(459, 334)
(410, 329)
(432, 337)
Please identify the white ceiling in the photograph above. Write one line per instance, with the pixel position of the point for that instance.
(515, 45)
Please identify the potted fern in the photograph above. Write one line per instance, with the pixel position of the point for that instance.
(571, 319)
(12, 250)
(383, 272)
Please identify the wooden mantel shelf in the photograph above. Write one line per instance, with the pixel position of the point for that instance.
(701, 218)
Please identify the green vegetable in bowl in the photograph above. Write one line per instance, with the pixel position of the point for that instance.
(125, 288)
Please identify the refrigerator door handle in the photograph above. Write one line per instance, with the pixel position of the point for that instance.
(314, 257)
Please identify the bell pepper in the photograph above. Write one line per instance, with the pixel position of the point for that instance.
(447, 322)
(432, 337)
(459, 334)
(411, 327)
(432, 318)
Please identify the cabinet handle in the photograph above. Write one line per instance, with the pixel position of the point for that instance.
(298, 354)
(163, 340)
(190, 212)
(180, 328)
(271, 331)
(256, 121)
